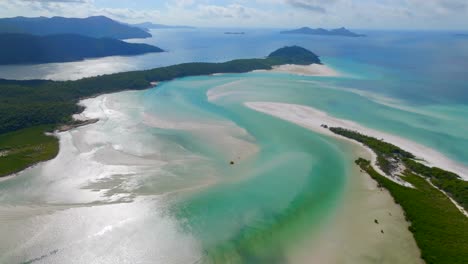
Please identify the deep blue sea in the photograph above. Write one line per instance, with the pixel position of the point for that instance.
(421, 66)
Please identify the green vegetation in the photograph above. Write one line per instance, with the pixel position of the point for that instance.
(444, 180)
(95, 27)
(439, 228)
(295, 55)
(36, 102)
(389, 156)
(23, 148)
(25, 48)
(31, 103)
(387, 153)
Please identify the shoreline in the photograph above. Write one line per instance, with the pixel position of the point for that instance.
(362, 203)
(79, 120)
(312, 118)
(79, 123)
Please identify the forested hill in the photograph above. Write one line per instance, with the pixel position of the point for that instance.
(295, 55)
(96, 27)
(29, 49)
(37, 102)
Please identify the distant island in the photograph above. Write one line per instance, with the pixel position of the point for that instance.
(30, 49)
(95, 26)
(323, 32)
(149, 25)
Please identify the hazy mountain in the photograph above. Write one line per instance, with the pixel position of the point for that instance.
(29, 49)
(149, 25)
(96, 26)
(320, 31)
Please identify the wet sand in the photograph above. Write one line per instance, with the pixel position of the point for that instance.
(312, 118)
(352, 235)
(306, 70)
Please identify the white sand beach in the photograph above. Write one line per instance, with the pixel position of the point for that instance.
(312, 118)
(306, 70)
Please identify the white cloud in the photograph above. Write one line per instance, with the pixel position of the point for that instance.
(438, 7)
(231, 11)
(57, 1)
(260, 13)
(184, 3)
(311, 5)
(72, 8)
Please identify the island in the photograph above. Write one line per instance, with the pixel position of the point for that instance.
(30, 108)
(323, 32)
(95, 26)
(30, 49)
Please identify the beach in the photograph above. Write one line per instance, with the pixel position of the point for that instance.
(312, 118)
(305, 70)
(352, 230)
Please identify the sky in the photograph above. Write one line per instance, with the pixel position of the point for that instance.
(372, 14)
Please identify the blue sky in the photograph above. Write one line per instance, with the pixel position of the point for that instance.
(384, 14)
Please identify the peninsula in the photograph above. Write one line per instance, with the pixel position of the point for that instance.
(438, 226)
(30, 108)
(434, 199)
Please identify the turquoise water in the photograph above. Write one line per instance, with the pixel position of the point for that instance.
(168, 150)
(260, 205)
(442, 127)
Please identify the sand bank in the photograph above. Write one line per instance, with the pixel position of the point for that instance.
(312, 118)
(368, 227)
(306, 70)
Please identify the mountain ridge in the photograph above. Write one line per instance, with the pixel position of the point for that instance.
(93, 26)
(32, 49)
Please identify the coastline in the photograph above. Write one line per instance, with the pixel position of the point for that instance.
(78, 90)
(79, 120)
(312, 118)
(363, 202)
(76, 124)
